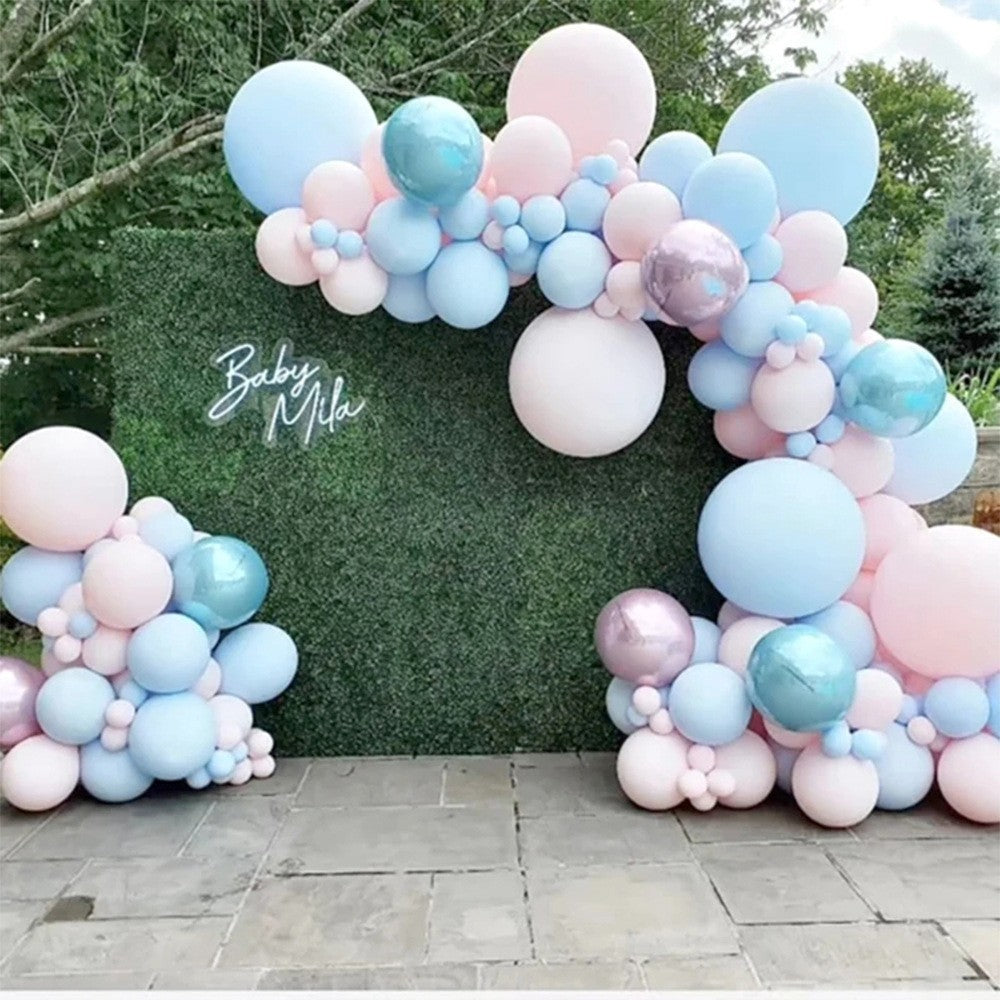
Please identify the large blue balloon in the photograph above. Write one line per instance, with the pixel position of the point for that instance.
(403, 238)
(993, 699)
(719, 378)
(764, 258)
(111, 776)
(750, 325)
(709, 704)
(406, 298)
(735, 193)
(850, 628)
(816, 138)
(905, 771)
(34, 579)
(172, 735)
(433, 150)
(893, 388)
(219, 581)
(467, 285)
(782, 538)
(168, 653)
(71, 704)
(801, 679)
(258, 662)
(572, 269)
(584, 202)
(284, 121)
(468, 217)
(671, 158)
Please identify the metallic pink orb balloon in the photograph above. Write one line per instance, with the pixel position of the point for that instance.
(644, 636)
(19, 684)
(695, 273)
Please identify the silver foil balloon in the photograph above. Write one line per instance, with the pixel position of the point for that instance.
(695, 273)
(20, 683)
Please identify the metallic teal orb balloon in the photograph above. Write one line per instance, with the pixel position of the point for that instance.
(801, 679)
(893, 388)
(219, 581)
(433, 150)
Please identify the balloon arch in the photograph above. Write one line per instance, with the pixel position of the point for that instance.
(856, 657)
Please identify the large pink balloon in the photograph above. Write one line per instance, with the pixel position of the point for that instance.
(338, 191)
(742, 433)
(795, 398)
(531, 156)
(834, 791)
(637, 217)
(888, 523)
(373, 164)
(855, 293)
(127, 584)
(278, 249)
(936, 602)
(19, 685)
(862, 462)
(649, 766)
(61, 488)
(814, 247)
(859, 593)
(356, 287)
(968, 774)
(39, 773)
(591, 81)
(751, 762)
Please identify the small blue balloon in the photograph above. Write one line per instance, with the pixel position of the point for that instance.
(905, 771)
(168, 653)
(800, 678)
(671, 158)
(169, 533)
(910, 709)
(350, 244)
(735, 193)
(213, 635)
(240, 752)
(750, 325)
(172, 735)
(791, 329)
(603, 169)
(526, 262)
(515, 240)
(219, 581)
(850, 628)
(221, 765)
(71, 704)
(993, 698)
(467, 218)
(258, 661)
(133, 693)
(572, 269)
(82, 625)
(893, 388)
(467, 285)
(406, 298)
(633, 718)
(506, 210)
(199, 778)
(34, 579)
(543, 218)
(433, 150)
(830, 430)
(868, 744)
(836, 740)
(709, 704)
(324, 234)
(706, 640)
(403, 238)
(834, 326)
(719, 378)
(584, 203)
(800, 444)
(764, 258)
(111, 776)
(957, 706)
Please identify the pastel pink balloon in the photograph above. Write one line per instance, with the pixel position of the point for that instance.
(624, 287)
(114, 739)
(869, 337)
(918, 684)
(357, 287)
(127, 584)
(701, 757)
(854, 292)
(149, 507)
(119, 714)
(860, 592)
(262, 767)
(888, 523)
(104, 652)
(739, 639)
(742, 433)
(814, 247)
(39, 773)
(730, 613)
(637, 217)
(338, 191)
(278, 249)
(531, 156)
(210, 681)
(878, 699)
(921, 731)
(228, 709)
(486, 174)
(125, 525)
(834, 791)
(751, 764)
(259, 742)
(649, 766)
(20, 683)
(787, 738)
(52, 621)
(795, 398)
(968, 774)
(862, 461)
(936, 602)
(72, 597)
(706, 331)
(61, 488)
(242, 773)
(51, 665)
(373, 165)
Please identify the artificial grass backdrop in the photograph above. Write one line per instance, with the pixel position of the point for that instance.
(439, 569)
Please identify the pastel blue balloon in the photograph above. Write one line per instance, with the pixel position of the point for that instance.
(506, 210)
(671, 158)
(221, 765)
(111, 776)
(240, 752)
(719, 378)
(199, 778)
(467, 218)
(830, 430)
(515, 240)
(816, 138)
(213, 635)
(839, 362)
(82, 625)
(467, 285)
(735, 193)
(781, 538)
(572, 269)
(526, 262)
(350, 244)
(993, 698)
(284, 121)
(71, 704)
(584, 202)
(905, 771)
(709, 704)
(910, 708)
(169, 533)
(219, 581)
(785, 758)
(800, 678)
(543, 217)
(791, 329)
(750, 325)
(172, 735)
(406, 298)
(433, 150)
(850, 628)
(324, 234)
(617, 702)
(764, 258)
(800, 444)
(957, 706)
(258, 661)
(168, 653)
(403, 238)
(34, 579)
(603, 168)
(706, 640)
(930, 464)
(133, 693)
(836, 741)
(893, 388)
(868, 744)
(834, 326)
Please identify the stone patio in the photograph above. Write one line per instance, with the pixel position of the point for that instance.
(529, 872)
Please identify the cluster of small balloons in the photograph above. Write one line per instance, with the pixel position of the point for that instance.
(149, 663)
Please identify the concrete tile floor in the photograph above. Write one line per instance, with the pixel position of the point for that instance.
(524, 872)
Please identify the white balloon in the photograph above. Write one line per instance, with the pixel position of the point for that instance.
(583, 385)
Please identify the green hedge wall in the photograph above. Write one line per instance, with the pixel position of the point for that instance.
(439, 569)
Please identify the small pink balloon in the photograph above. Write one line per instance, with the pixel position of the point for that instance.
(869, 337)
(20, 683)
(794, 399)
(67, 649)
(692, 784)
(232, 711)
(279, 252)
(119, 713)
(324, 262)
(624, 286)
(531, 155)
(854, 292)
(888, 523)
(39, 774)
(150, 507)
(921, 730)
(624, 177)
(604, 307)
(706, 332)
(114, 738)
(810, 347)
(814, 248)
(262, 767)
(834, 791)
(104, 652)
(750, 763)
(701, 758)
(493, 235)
(210, 681)
(862, 462)
(660, 722)
(357, 287)
(259, 742)
(742, 433)
(878, 699)
(729, 614)
(649, 766)
(646, 700)
(939, 742)
(373, 164)
(721, 783)
(968, 774)
(516, 280)
(242, 773)
(859, 593)
(704, 803)
(822, 455)
(779, 354)
(739, 639)
(486, 174)
(637, 217)
(127, 584)
(72, 597)
(786, 738)
(125, 525)
(53, 622)
(339, 192)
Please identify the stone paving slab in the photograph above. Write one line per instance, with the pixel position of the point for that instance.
(207, 979)
(713, 972)
(16, 826)
(478, 781)
(81, 981)
(569, 785)
(623, 975)
(421, 977)
(238, 827)
(418, 782)
(980, 940)
(21, 880)
(777, 820)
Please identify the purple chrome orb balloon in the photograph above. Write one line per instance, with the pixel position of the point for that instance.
(19, 685)
(644, 636)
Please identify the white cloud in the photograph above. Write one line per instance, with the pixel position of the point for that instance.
(962, 37)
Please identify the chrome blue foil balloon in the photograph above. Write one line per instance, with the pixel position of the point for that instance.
(893, 388)
(220, 582)
(801, 679)
(433, 150)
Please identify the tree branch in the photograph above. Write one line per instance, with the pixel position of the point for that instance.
(321, 41)
(21, 15)
(62, 350)
(16, 293)
(50, 328)
(48, 41)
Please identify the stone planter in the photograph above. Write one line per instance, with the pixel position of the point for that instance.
(957, 507)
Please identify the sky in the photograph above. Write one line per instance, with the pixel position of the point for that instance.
(961, 37)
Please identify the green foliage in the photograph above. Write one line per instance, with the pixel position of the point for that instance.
(439, 569)
(978, 389)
